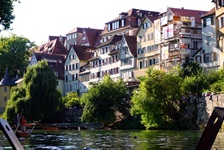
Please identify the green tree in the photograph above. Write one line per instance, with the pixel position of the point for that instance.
(158, 100)
(103, 100)
(71, 99)
(14, 54)
(17, 96)
(191, 69)
(195, 84)
(6, 10)
(215, 80)
(41, 100)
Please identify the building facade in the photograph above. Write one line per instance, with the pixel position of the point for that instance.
(148, 48)
(181, 36)
(78, 56)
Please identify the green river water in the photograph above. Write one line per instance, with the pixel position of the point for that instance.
(113, 140)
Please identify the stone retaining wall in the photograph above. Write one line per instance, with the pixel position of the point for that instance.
(205, 107)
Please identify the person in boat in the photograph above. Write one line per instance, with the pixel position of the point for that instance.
(17, 119)
(23, 124)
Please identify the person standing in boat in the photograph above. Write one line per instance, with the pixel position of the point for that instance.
(23, 124)
(17, 119)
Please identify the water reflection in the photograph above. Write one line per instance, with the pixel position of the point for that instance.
(110, 139)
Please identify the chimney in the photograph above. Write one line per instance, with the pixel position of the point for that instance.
(61, 39)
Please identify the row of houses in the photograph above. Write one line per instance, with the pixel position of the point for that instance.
(131, 43)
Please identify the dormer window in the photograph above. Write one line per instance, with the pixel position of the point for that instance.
(139, 13)
(56, 74)
(122, 23)
(115, 25)
(108, 27)
(84, 38)
(139, 22)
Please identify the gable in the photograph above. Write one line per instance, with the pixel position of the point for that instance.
(71, 56)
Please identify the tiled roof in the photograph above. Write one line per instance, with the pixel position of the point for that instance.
(188, 13)
(78, 29)
(151, 18)
(6, 81)
(131, 18)
(211, 12)
(83, 52)
(114, 51)
(92, 35)
(55, 57)
(53, 47)
(112, 40)
(132, 43)
(134, 13)
(57, 37)
(57, 67)
(55, 62)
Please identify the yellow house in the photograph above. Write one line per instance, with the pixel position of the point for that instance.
(148, 49)
(5, 87)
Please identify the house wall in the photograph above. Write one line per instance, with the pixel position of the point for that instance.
(71, 74)
(150, 51)
(60, 86)
(128, 62)
(4, 97)
(220, 33)
(84, 82)
(98, 72)
(209, 46)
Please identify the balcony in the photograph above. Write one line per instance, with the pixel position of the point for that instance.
(184, 35)
(185, 52)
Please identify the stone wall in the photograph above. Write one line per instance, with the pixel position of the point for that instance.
(205, 107)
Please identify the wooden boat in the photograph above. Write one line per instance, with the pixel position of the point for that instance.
(49, 128)
(20, 133)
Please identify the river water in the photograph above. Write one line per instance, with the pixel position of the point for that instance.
(113, 140)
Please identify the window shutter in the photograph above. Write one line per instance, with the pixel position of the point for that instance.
(204, 58)
(214, 55)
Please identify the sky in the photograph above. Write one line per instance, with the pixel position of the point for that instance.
(38, 19)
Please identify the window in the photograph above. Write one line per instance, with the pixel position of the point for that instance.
(108, 27)
(115, 25)
(56, 74)
(122, 23)
(198, 59)
(146, 25)
(208, 40)
(206, 58)
(84, 38)
(220, 3)
(125, 50)
(148, 37)
(152, 36)
(195, 45)
(149, 62)
(5, 89)
(139, 22)
(144, 38)
(5, 98)
(66, 78)
(140, 64)
(214, 56)
(221, 22)
(208, 22)
(140, 39)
